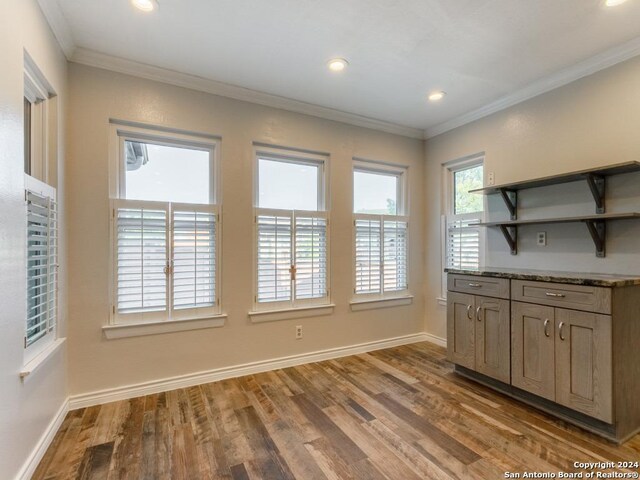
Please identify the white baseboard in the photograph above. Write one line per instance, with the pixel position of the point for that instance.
(441, 342)
(29, 467)
(163, 385)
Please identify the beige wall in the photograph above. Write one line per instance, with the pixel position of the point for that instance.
(97, 363)
(26, 409)
(591, 122)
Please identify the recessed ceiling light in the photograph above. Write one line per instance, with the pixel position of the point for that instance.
(337, 64)
(614, 3)
(435, 96)
(145, 5)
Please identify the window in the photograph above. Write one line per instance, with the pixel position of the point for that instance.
(165, 226)
(41, 215)
(37, 95)
(41, 264)
(463, 239)
(381, 229)
(291, 229)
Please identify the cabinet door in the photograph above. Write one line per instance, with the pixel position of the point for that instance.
(532, 349)
(493, 340)
(461, 329)
(583, 363)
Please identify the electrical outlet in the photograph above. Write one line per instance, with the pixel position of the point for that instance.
(298, 332)
(491, 179)
(542, 239)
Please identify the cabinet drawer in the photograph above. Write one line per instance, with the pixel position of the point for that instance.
(577, 297)
(485, 286)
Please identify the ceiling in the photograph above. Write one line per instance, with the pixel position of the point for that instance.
(479, 51)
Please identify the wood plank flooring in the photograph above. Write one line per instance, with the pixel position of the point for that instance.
(399, 413)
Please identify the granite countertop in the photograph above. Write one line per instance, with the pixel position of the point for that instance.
(574, 278)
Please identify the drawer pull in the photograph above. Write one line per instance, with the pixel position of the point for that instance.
(475, 285)
(546, 324)
(469, 312)
(478, 311)
(555, 295)
(560, 327)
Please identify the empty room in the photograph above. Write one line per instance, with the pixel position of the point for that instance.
(249, 239)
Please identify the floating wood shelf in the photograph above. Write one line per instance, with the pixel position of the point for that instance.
(596, 225)
(595, 178)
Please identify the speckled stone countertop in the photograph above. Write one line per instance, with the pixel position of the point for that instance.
(574, 278)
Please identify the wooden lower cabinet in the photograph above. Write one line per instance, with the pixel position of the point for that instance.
(584, 376)
(478, 329)
(564, 356)
(533, 349)
(461, 329)
(493, 346)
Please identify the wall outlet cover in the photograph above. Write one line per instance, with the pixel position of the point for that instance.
(542, 239)
(491, 179)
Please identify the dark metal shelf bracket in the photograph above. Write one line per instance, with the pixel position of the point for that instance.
(511, 236)
(598, 231)
(597, 186)
(510, 198)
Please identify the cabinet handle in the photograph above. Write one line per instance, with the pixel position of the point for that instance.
(469, 312)
(555, 295)
(546, 324)
(475, 285)
(560, 327)
(478, 311)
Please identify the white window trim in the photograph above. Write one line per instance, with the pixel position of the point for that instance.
(125, 330)
(448, 171)
(43, 344)
(120, 131)
(366, 301)
(386, 168)
(38, 91)
(282, 310)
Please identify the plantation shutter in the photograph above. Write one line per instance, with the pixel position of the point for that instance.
(42, 275)
(194, 257)
(310, 257)
(141, 257)
(463, 243)
(368, 255)
(395, 256)
(274, 257)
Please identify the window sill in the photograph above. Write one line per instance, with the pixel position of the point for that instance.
(290, 313)
(358, 305)
(41, 359)
(442, 301)
(112, 332)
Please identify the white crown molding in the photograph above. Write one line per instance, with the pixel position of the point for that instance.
(193, 82)
(563, 77)
(30, 465)
(58, 23)
(189, 380)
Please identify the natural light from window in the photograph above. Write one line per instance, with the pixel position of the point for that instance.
(167, 174)
(463, 181)
(287, 185)
(375, 193)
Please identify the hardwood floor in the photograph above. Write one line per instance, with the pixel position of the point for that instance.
(396, 414)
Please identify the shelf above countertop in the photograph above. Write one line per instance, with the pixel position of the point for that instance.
(573, 278)
(543, 221)
(604, 171)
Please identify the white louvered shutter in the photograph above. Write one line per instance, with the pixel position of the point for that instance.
(141, 257)
(310, 257)
(395, 256)
(194, 257)
(274, 256)
(368, 255)
(42, 275)
(463, 243)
